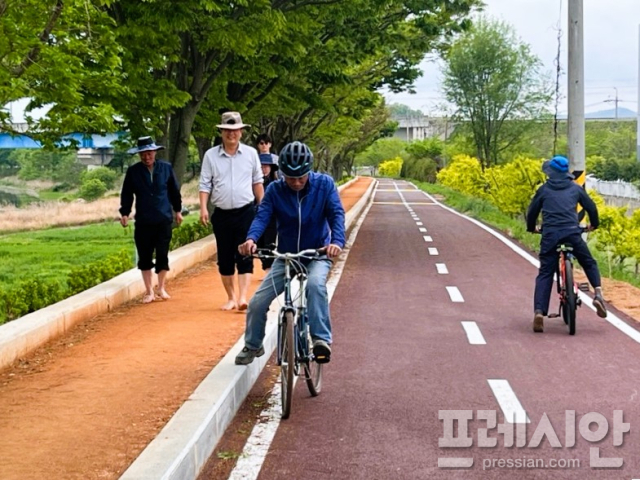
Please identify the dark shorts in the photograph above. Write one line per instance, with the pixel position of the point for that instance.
(230, 228)
(149, 239)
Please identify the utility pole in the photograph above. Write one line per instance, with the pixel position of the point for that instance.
(575, 77)
(616, 101)
(638, 107)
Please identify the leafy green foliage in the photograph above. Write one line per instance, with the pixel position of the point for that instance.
(106, 175)
(613, 169)
(509, 187)
(45, 165)
(465, 175)
(92, 189)
(424, 159)
(187, 233)
(34, 294)
(62, 55)
(298, 70)
(492, 77)
(86, 276)
(391, 168)
(62, 262)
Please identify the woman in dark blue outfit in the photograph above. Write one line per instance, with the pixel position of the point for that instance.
(268, 239)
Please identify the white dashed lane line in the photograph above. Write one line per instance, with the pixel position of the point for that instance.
(508, 401)
(433, 251)
(420, 224)
(455, 294)
(442, 268)
(427, 238)
(473, 333)
(423, 230)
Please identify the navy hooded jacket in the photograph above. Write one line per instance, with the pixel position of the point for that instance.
(310, 218)
(156, 199)
(558, 199)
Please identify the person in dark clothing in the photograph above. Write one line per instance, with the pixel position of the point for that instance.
(268, 238)
(157, 193)
(558, 199)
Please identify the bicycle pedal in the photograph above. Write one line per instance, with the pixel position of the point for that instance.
(553, 315)
(584, 286)
(578, 302)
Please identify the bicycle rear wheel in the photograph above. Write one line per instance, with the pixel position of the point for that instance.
(313, 374)
(287, 367)
(569, 305)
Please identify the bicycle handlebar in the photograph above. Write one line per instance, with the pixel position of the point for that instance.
(586, 229)
(311, 254)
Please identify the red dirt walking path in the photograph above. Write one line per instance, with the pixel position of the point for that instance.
(86, 405)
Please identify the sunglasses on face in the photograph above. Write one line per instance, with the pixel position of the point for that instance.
(262, 142)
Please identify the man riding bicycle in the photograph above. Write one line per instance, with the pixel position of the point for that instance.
(309, 215)
(558, 198)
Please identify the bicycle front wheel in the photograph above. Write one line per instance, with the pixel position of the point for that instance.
(569, 305)
(313, 374)
(287, 367)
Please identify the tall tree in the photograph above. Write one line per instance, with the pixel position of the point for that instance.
(492, 77)
(63, 55)
(185, 56)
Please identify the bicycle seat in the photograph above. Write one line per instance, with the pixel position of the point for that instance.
(564, 247)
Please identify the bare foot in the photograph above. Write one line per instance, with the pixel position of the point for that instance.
(148, 298)
(230, 305)
(163, 294)
(243, 305)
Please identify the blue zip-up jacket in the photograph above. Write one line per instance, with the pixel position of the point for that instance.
(155, 199)
(558, 199)
(310, 218)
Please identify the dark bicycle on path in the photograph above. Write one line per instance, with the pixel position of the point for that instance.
(567, 287)
(294, 347)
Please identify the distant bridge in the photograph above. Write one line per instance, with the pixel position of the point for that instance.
(420, 127)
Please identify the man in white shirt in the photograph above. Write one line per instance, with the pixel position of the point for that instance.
(231, 177)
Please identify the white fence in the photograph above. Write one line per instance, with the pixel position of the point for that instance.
(618, 189)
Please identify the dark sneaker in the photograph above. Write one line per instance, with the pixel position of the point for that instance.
(246, 356)
(321, 351)
(538, 322)
(601, 309)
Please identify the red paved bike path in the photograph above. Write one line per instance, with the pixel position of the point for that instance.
(401, 355)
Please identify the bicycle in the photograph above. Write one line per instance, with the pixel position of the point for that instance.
(294, 335)
(567, 287)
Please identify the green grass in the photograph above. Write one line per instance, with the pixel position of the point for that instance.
(516, 229)
(50, 195)
(51, 254)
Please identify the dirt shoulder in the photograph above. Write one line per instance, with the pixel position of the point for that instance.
(87, 404)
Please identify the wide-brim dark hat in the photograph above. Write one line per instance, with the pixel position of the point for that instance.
(144, 144)
(267, 159)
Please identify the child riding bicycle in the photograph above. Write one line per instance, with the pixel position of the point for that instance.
(557, 199)
(309, 215)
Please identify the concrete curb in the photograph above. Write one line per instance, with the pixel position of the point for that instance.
(184, 445)
(23, 335)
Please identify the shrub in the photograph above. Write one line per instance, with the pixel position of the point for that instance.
(186, 234)
(104, 174)
(391, 168)
(92, 189)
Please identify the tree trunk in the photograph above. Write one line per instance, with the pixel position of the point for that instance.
(179, 136)
(203, 144)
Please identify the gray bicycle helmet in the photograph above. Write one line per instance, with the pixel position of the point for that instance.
(295, 160)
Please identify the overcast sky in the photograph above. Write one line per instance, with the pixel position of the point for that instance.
(610, 43)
